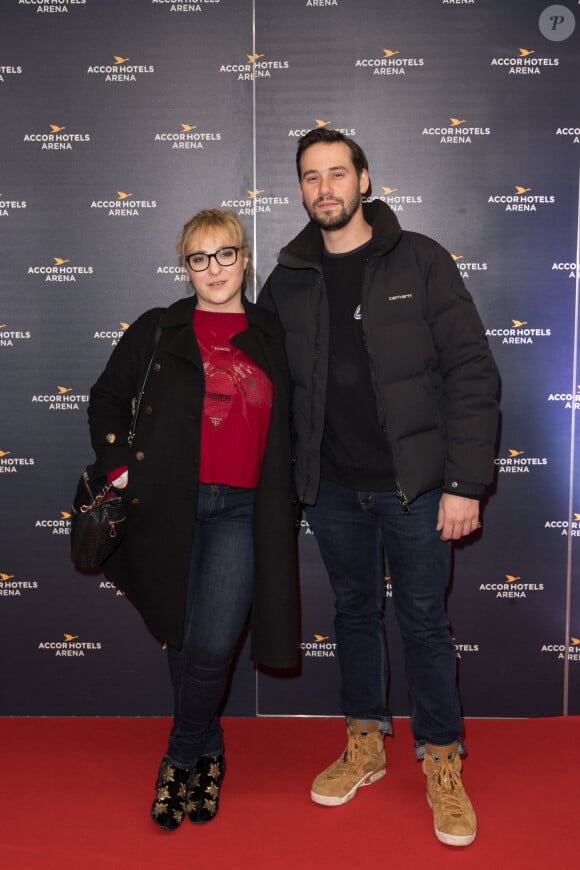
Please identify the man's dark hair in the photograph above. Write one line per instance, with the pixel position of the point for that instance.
(322, 134)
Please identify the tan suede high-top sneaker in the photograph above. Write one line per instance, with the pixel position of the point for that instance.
(453, 815)
(362, 763)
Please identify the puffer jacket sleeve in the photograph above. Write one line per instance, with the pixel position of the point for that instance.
(469, 378)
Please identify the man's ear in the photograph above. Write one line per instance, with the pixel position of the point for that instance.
(363, 181)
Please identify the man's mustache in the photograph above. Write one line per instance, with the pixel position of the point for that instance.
(322, 199)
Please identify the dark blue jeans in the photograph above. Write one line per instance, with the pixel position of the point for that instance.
(351, 529)
(221, 580)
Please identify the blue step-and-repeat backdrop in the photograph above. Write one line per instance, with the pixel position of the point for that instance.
(120, 119)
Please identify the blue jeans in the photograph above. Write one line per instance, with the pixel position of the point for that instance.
(220, 588)
(352, 528)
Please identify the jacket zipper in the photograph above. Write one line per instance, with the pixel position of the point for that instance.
(399, 491)
(314, 372)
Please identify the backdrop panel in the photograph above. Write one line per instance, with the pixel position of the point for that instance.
(122, 119)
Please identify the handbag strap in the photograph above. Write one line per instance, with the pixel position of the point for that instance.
(133, 425)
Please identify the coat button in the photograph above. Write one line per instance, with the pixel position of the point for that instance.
(110, 437)
(148, 410)
(135, 501)
(139, 456)
(454, 484)
(157, 367)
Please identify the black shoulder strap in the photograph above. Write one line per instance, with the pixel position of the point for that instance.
(142, 390)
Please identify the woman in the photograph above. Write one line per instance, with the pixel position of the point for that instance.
(210, 507)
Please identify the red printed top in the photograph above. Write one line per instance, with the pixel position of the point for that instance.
(236, 406)
(237, 403)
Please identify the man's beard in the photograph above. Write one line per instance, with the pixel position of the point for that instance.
(339, 219)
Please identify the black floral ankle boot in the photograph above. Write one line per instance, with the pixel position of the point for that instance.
(168, 810)
(204, 789)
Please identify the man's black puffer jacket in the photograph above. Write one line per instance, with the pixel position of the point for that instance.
(434, 378)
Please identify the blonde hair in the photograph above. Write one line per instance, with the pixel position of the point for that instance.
(217, 219)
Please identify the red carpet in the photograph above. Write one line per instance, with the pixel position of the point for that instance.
(77, 793)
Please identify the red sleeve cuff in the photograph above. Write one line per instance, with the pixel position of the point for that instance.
(116, 472)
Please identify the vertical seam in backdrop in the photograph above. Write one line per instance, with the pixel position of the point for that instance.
(575, 391)
(254, 139)
(255, 251)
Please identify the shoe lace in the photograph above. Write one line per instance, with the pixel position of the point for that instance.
(353, 751)
(446, 781)
(349, 757)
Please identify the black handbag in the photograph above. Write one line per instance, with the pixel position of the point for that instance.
(97, 519)
(98, 512)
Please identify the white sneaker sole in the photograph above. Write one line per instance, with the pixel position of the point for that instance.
(329, 801)
(451, 839)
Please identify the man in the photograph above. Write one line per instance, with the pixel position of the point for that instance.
(395, 418)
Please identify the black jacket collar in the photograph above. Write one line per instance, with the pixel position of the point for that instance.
(305, 250)
(181, 312)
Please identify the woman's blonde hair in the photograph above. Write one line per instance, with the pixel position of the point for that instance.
(209, 219)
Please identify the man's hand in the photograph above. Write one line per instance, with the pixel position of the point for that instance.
(457, 516)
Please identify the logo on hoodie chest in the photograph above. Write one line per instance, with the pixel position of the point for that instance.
(399, 297)
(396, 297)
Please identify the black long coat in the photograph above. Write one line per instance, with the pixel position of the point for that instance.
(152, 564)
